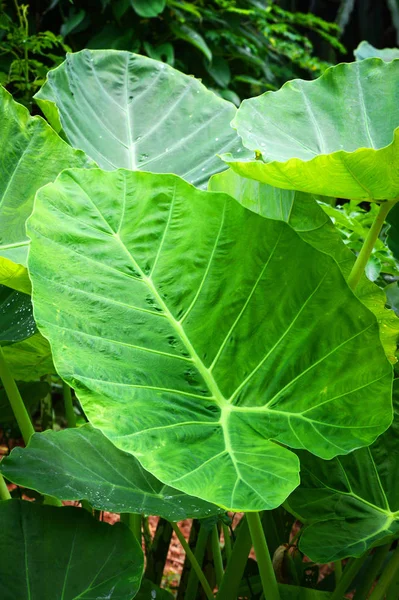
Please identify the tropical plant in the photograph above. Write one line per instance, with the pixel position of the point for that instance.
(221, 340)
(25, 57)
(237, 47)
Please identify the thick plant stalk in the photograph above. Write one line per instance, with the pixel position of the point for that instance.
(393, 590)
(217, 555)
(236, 565)
(369, 243)
(337, 571)
(379, 556)
(4, 493)
(388, 575)
(351, 570)
(68, 404)
(156, 558)
(133, 521)
(18, 407)
(199, 553)
(21, 414)
(265, 566)
(194, 562)
(227, 541)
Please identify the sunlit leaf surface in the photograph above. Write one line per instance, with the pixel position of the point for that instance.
(198, 334)
(130, 111)
(336, 135)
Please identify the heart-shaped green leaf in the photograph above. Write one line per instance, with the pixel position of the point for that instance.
(350, 503)
(49, 552)
(16, 316)
(82, 464)
(302, 212)
(130, 111)
(336, 135)
(204, 334)
(32, 155)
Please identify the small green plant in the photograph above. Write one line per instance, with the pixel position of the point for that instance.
(25, 58)
(226, 348)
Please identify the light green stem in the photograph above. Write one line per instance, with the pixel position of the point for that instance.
(68, 404)
(18, 407)
(20, 413)
(194, 563)
(373, 571)
(236, 565)
(227, 541)
(265, 566)
(217, 555)
(369, 243)
(133, 521)
(337, 571)
(351, 570)
(199, 553)
(388, 575)
(4, 493)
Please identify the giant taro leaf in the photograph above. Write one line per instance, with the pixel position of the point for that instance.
(16, 317)
(197, 334)
(32, 154)
(49, 552)
(351, 502)
(78, 464)
(303, 213)
(336, 135)
(130, 111)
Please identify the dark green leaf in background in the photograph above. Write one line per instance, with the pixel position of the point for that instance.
(349, 503)
(77, 464)
(148, 8)
(64, 553)
(16, 316)
(191, 36)
(30, 359)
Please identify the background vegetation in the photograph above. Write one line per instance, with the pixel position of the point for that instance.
(239, 48)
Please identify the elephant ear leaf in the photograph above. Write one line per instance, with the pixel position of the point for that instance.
(130, 111)
(66, 464)
(303, 213)
(32, 155)
(350, 504)
(88, 559)
(203, 359)
(336, 135)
